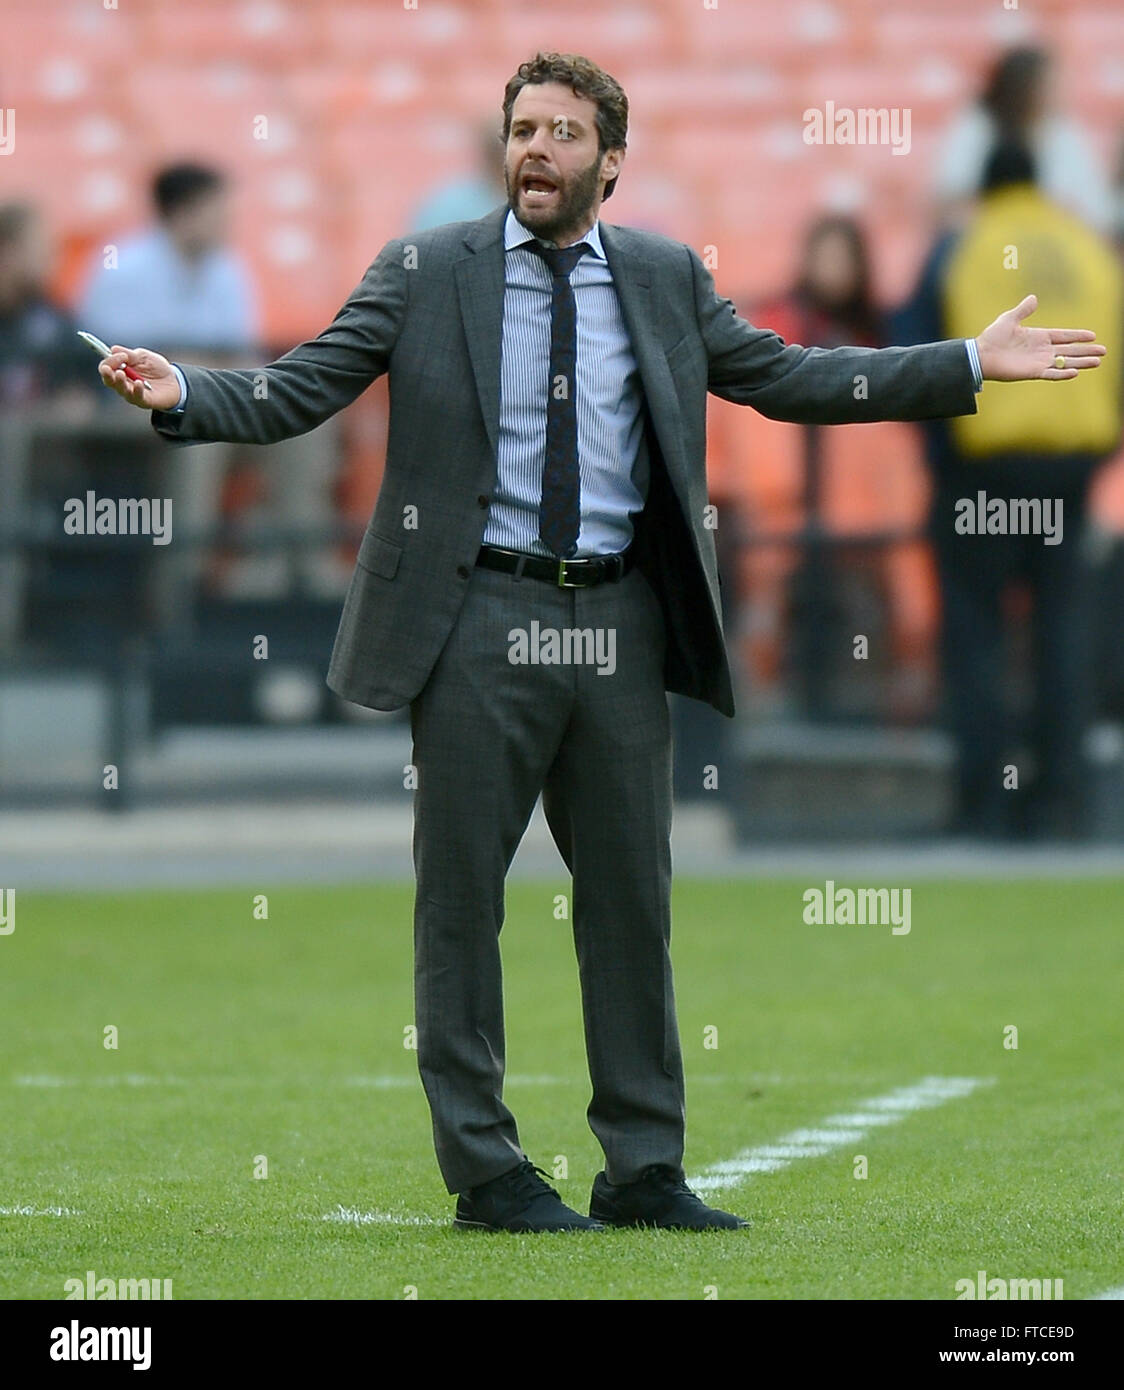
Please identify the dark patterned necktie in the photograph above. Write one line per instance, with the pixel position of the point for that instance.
(560, 507)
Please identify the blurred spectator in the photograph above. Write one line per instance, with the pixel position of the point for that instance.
(1020, 102)
(1118, 196)
(1020, 445)
(470, 197)
(41, 356)
(44, 367)
(179, 288)
(830, 305)
(177, 284)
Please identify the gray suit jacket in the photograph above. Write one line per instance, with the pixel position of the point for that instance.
(429, 313)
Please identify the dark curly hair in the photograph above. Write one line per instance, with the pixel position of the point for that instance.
(585, 79)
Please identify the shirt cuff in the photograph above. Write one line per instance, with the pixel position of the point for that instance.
(974, 358)
(179, 406)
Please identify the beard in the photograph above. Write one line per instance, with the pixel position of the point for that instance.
(571, 208)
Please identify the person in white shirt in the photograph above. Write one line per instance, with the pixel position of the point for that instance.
(1020, 101)
(178, 280)
(181, 283)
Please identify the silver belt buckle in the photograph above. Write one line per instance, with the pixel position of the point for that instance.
(562, 584)
(572, 584)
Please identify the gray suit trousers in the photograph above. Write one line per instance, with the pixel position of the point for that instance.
(489, 735)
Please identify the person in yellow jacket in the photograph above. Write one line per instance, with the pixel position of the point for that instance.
(1010, 491)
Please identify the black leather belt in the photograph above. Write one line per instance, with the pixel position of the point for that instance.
(567, 574)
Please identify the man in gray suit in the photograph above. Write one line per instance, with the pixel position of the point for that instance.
(538, 571)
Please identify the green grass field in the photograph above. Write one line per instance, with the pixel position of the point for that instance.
(283, 1038)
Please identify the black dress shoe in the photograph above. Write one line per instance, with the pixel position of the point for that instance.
(518, 1200)
(660, 1197)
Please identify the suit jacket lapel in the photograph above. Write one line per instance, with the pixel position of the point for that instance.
(480, 288)
(480, 283)
(633, 281)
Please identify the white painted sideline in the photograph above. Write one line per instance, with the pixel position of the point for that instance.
(352, 1216)
(394, 1083)
(122, 1079)
(24, 1210)
(836, 1131)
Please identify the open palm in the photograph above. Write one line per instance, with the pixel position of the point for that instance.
(1009, 351)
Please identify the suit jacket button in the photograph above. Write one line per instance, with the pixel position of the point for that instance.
(462, 570)
(482, 500)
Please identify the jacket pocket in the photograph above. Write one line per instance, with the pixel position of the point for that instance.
(680, 345)
(379, 555)
(690, 343)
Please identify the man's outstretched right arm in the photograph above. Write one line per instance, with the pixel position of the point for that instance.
(291, 396)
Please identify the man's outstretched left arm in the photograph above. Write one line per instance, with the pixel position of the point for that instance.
(832, 386)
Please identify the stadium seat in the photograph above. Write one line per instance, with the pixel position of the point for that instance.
(760, 31)
(388, 32)
(267, 33)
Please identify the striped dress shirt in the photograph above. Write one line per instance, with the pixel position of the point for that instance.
(613, 468)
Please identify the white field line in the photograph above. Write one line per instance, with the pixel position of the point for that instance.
(394, 1082)
(836, 1131)
(125, 1079)
(1113, 1294)
(352, 1216)
(23, 1210)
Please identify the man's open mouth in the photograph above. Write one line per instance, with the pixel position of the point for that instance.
(538, 190)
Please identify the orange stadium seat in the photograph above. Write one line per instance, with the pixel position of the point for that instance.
(899, 247)
(39, 75)
(297, 280)
(682, 93)
(75, 181)
(209, 108)
(873, 480)
(970, 32)
(321, 96)
(387, 168)
(387, 30)
(267, 34)
(918, 84)
(762, 31)
(475, 91)
(663, 202)
(616, 36)
(754, 477)
(1091, 28)
(757, 463)
(733, 156)
(66, 60)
